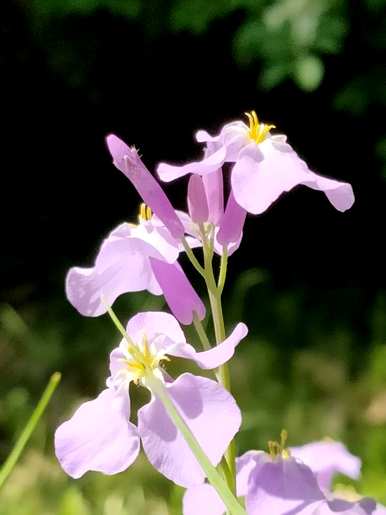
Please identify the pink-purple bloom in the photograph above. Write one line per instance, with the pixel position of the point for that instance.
(274, 485)
(265, 166)
(327, 458)
(122, 265)
(100, 436)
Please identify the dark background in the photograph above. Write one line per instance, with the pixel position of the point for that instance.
(308, 280)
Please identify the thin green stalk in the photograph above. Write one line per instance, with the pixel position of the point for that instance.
(201, 332)
(223, 375)
(223, 269)
(193, 258)
(216, 480)
(11, 461)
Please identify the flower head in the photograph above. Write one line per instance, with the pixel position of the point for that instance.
(265, 166)
(122, 264)
(207, 408)
(275, 483)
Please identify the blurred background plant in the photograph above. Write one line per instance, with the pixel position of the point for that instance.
(308, 281)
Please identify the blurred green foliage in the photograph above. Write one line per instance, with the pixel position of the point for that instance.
(315, 374)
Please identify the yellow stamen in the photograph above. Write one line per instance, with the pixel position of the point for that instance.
(145, 213)
(257, 131)
(276, 449)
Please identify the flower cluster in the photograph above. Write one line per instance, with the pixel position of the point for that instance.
(187, 428)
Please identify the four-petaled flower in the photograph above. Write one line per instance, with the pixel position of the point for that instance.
(265, 166)
(100, 436)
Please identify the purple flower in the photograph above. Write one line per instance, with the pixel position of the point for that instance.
(265, 166)
(274, 485)
(327, 458)
(206, 211)
(122, 265)
(100, 436)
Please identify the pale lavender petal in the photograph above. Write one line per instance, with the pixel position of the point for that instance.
(98, 437)
(214, 188)
(217, 355)
(281, 487)
(179, 294)
(203, 500)
(327, 458)
(380, 510)
(211, 414)
(232, 223)
(128, 162)
(263, 172)
(365, 506)
(197, 202)
(121, 266)
(159, 327)
(245, 465)
(208, 164)
(340, 194)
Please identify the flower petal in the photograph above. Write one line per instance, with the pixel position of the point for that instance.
(202, 499)
(327, 458)
(281, 486)
(208, 164)
(197, 202)
(263, 172)
(180, 295)
(158, 326)
(128, 162)
(217, 355)
(340, 194)
(365, 506)
(98, 437)
(245, 464)
(121, 266)
(214, 189)
(211, 414)
(232, 222)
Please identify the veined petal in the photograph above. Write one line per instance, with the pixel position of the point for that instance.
(232, 223)
(365, 506)
(327, 458)
(197, 201)
(211, 414)
(208, 164)
(180, 295)
(263, 173)
(98, 437)
(159, 327)
(203, 500)
(245, 464)
(122, 265)
(127, 160)
(281, 487)
(217, 355)
(214, 189)
(340, 194)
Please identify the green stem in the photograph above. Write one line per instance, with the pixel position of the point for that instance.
(11, 461)
(193, 258)
(216, 480)
(223, 269)
(223, 375)
(201, 332)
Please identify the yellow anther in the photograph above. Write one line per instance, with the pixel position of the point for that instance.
(145, 213)
(276, 449)
(257, 131)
